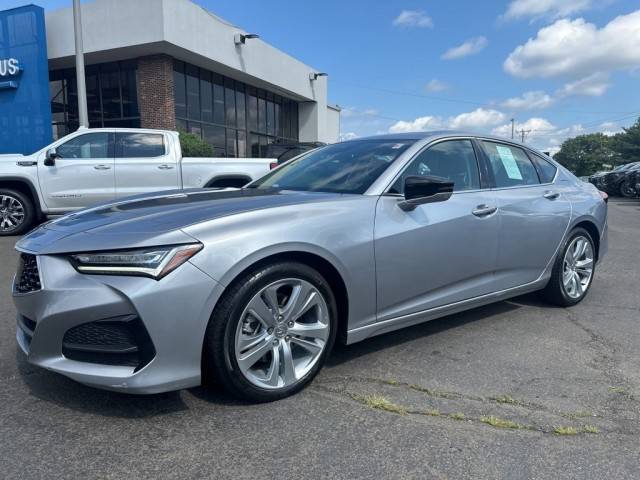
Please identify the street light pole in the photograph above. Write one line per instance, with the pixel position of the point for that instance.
(83, 115)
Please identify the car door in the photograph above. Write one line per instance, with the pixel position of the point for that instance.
(533, 210)
(82, 174)
(144, 163)
(438, 253)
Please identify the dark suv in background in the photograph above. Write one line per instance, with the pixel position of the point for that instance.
(617, 181)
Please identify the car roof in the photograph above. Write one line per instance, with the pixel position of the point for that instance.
(434, 134)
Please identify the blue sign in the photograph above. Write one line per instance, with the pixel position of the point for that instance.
(25, 108)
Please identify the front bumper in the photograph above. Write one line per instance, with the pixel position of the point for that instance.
(174, 312)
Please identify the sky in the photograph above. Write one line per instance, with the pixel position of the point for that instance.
(559, 68)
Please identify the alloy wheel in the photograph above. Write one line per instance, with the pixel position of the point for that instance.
(577, 270)
(12, 213)
(282, 333)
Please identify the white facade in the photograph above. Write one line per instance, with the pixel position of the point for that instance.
(122, 29)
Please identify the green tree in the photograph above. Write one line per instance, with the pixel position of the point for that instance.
(586, 154)
(194, 146)
(627, 144)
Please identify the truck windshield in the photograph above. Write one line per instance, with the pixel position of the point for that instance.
(348, 167)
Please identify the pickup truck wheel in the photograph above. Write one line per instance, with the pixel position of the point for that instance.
(17, 212)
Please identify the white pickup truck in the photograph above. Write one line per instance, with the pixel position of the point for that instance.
(97, 165)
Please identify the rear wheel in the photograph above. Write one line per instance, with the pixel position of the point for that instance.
(17, 212)
(573, 270)
(627, 189)
(271, 333)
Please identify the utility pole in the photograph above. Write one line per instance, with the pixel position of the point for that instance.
(513, 126)
(80, 81)
(524, 133)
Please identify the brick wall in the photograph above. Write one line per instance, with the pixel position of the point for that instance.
(155, 92)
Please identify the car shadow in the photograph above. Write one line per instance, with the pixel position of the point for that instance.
(57, 389)
(345, 353)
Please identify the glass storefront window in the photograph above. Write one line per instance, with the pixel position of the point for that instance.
(112, 97)
(234, 118)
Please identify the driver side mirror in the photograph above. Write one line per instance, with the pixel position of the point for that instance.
(50, 158)
(419, 190)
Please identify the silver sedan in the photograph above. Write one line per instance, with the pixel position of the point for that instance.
(252, 287)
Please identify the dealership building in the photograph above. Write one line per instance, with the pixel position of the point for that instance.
(167, 64)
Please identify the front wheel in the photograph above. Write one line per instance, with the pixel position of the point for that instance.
(573, 270)
(17, 212)
(271, 333)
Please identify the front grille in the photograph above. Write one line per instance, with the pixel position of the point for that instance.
(120, 341)
(27, 277)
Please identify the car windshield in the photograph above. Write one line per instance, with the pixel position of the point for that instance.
(348, 167)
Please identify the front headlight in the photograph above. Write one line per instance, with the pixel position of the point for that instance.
(154, 262)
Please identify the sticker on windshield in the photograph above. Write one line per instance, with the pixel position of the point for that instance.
(397, 146)
(509, 162)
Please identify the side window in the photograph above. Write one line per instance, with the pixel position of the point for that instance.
(89, 145)
(546, 169)
(139, 145)
(510, 165)
(452, 159)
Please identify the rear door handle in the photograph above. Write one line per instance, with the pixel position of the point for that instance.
(101, 167)
(484, 210)
(549, 195)
(165, 167)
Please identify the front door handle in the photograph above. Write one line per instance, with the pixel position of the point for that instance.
(101, 167)
(164, 166)
(484, 210)
(549, 195)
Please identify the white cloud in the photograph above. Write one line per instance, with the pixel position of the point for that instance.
(418, 125)
(477, 120)
(435, 85)
(573, 48)
(553, 9)
(470, 47)
(529, 101)
(348, 136)
(350, 112)
(610, 128)
(413, 18)
(540, 133)
(593, 85)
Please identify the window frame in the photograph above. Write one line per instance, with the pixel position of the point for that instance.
(479, 163)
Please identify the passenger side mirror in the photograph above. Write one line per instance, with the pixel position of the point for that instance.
(425, 189)
(50, 158)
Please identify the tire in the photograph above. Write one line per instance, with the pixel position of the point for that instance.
(17, 212)
(566, 295)
(233, 326)
(627, 189)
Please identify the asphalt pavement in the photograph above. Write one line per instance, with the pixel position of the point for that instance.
(518, 389)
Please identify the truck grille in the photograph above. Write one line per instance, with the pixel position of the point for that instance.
(27, 277)
(121, 341)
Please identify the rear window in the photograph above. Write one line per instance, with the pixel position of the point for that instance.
(139, 145)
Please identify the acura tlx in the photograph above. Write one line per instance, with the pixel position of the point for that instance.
(252, 287)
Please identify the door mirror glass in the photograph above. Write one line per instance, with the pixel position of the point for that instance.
(50, 157)
(425, 189)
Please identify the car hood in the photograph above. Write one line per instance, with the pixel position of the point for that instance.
(153, 219)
